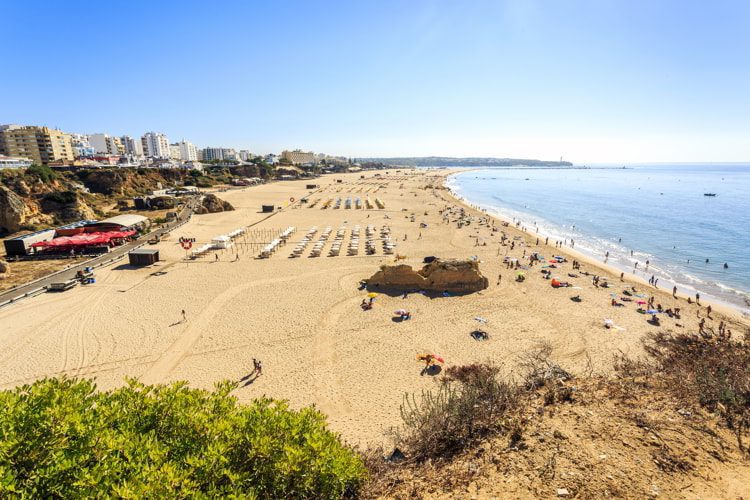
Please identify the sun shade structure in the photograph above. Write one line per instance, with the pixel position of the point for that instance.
(84, 240)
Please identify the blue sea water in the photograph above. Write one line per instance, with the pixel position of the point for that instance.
(659, 212)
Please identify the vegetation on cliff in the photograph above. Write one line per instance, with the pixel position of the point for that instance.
(60, 438)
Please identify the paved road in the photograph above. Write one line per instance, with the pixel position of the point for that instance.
(21, 291)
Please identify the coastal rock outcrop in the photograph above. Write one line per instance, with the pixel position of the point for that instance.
(13, 211)
(211, 204)
(4, 269)
(456, 276)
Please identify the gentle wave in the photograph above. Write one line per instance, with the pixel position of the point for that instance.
(668, 272)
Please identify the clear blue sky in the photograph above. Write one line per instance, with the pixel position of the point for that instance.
(592, 81)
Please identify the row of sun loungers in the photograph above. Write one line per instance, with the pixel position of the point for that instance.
(354, 242)
(302, 245)
(337, 241)
(370, 241)
(385, 236)
(269, 249)
(322, 239)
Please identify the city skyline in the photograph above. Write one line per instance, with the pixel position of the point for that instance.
(617, 82)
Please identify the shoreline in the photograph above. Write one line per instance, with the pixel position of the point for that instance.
(302, 316)
(716, 303)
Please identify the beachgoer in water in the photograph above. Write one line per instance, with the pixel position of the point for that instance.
(706, 261)
(726, 266)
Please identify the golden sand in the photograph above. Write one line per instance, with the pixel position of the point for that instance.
(301, 316)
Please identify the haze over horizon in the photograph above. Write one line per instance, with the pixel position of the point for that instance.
(593, 82)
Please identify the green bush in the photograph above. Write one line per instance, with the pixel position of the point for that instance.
(41, 172)
(62, 438)
(62, 197)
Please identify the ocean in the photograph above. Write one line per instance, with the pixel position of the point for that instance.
(659, 212)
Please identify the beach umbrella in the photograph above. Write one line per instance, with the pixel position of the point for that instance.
(372, 295)
(400, 312)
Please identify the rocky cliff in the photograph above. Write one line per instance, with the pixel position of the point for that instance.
(211, 204)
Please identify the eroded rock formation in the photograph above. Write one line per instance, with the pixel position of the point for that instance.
(455, 276)
(212, 204)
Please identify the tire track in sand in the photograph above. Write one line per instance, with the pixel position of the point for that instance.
(170, 358)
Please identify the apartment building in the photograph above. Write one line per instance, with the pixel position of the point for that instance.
(188, 151)
(133, 147)
(155, 145)
(298, 157)
(106, 144)
(39, 144)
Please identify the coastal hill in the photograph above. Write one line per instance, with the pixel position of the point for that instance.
(447, 161)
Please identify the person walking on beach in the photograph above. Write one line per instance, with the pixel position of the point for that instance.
(184, 316)
(708, 311)
(622, 276)
(674, 291)
(216, 255)
(697, 298)
(499, 278)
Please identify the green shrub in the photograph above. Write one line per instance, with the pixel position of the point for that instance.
(62, 438)
(62, 197)
(41, 172)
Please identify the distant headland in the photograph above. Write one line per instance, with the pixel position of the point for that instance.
(446, 161)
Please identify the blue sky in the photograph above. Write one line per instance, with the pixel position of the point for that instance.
(607, 81)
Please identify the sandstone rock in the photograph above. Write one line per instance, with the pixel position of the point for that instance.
(212, 204)
(13, 210)
(456, 276)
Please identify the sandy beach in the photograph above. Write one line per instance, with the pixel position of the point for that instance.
(301, 316)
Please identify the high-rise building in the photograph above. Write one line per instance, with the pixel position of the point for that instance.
(81, 146)
(245, 155)
(155, 145)
(133, 147)
(174, 151)
(106, 144)
(188, 151)
(210, 154)
(40, 144)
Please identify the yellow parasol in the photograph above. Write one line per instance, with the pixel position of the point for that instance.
(372, 295)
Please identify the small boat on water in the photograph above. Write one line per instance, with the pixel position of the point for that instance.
(709, 194)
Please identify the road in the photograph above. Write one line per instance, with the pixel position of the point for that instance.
(21, 291)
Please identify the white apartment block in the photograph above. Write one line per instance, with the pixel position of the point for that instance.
(188, 151)
(155, 145)
(106, 144)
(133, 147)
